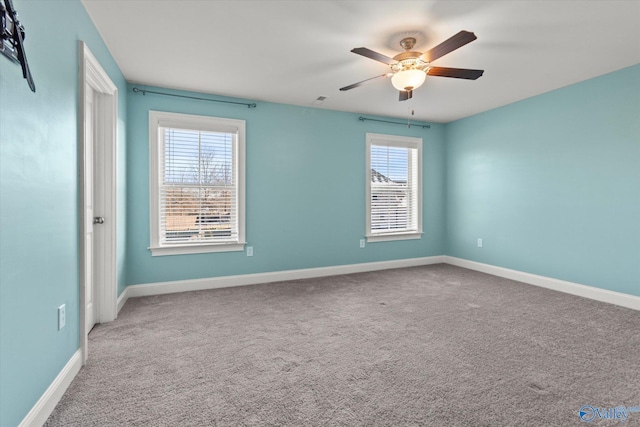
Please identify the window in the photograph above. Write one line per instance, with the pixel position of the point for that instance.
(394, 195)
(197, 183)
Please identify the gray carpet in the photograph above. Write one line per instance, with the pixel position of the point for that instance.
(430, 346)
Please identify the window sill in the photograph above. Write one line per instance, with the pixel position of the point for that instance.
(372, 238)
(196, 249)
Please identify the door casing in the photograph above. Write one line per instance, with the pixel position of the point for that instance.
(91, 74)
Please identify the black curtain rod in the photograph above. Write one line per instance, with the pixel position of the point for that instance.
(145, 91)
(362, 119)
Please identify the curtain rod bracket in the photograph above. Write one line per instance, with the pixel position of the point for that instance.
(144, 92)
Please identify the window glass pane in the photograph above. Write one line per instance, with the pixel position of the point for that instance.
(216, 158)
(181, 156)
(178, 213)
(391, 162)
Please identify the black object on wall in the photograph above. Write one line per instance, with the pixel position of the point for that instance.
(12, 40)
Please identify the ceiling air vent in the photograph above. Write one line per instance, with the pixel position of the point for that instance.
(319, 100)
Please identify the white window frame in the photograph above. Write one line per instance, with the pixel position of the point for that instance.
(393, 141)
(161, 119)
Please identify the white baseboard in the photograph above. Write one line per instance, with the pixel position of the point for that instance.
(124, 296)
(48, 401)
(276, 276)
(604, 295)
(598, 294)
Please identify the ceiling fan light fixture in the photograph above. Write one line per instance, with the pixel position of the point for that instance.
(408, 79)
(409, 69)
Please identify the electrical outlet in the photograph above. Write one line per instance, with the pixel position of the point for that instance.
(62, 316)
(249, 250)
(479, 243)
(362, 243)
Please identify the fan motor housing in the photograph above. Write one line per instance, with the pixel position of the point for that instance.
(407, 55)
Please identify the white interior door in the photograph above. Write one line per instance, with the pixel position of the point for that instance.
(89, 237)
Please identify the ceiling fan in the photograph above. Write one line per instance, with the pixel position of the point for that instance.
(410, 69)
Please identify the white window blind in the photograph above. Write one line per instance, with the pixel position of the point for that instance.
(199, 197)
(394, 176)
(198, 192)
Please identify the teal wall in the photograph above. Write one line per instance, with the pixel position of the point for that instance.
(552, 184)
(305, 191)
(39, 226)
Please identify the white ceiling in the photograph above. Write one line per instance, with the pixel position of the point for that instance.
(295, 51)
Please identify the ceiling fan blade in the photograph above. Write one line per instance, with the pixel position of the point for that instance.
(363, 82)
(405, 94)
(449, 45)
(373, 55)
(457, 73)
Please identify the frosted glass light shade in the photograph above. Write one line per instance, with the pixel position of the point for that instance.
(408, 78)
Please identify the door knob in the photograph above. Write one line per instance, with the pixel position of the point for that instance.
(98, 220)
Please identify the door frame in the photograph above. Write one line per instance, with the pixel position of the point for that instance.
(92, 74)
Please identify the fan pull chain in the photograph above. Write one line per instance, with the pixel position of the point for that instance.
(409, 117)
